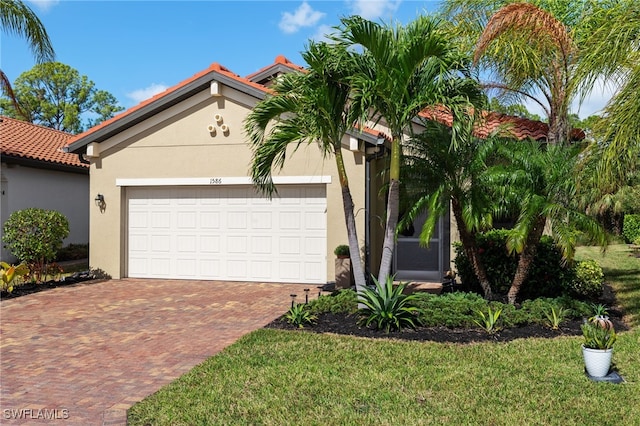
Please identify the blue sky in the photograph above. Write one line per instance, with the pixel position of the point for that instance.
(134, 49)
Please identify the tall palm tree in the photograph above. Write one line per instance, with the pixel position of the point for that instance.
(401, 70)
(616, 55)
(539, 50)
(308, 107)
(543, 180)
(17, 18)
(443, 168)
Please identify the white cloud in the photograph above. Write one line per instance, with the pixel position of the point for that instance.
(374, 9)
(44, 5)
(143, 94)
(322, 32)
(596, 101)
(304, 16)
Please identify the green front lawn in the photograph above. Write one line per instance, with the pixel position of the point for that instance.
(276, 377)
(622, 272)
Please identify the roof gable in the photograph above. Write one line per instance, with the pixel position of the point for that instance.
(266, 75)
(162, 101)
(27, 141)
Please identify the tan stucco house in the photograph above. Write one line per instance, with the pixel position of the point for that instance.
(35, 172)
(174, 198)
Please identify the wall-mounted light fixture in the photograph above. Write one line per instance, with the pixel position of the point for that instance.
(99, 200)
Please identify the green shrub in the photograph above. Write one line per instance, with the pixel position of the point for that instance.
(34, 236)
(546, 276)
(388, 307)
(631, 227)
(588, 280)
(341, 250)
(449, 309)
(342, 301)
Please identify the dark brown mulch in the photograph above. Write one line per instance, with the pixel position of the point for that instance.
(348, 325)
(30, 288)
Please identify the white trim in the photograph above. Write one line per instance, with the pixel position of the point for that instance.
(220, 180)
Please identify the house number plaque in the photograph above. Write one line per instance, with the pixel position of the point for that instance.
(215, 181)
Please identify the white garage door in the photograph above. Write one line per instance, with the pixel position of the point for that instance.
(227, 233)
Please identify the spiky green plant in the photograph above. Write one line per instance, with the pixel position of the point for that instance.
(300, 315)
(388, 307)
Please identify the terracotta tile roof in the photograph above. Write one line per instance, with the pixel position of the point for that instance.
(522, 128)
(19, 139)
(215, 67)
(505, 125)
(375, 133)
(280, 60)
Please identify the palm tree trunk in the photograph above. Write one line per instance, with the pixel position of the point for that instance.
(526, 259)
(393, 209)
(471, 250)
(350, 221)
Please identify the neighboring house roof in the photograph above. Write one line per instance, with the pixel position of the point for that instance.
(38, 146)
(505, 125)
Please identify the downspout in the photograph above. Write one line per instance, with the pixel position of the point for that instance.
(82, 159)
(65, 149)
(367, 218)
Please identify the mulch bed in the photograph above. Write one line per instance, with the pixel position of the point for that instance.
(30, 288)
(348, 325)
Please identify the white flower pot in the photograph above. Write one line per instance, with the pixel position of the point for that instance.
(597, 361)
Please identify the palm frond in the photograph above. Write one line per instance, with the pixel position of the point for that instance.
(17, 18)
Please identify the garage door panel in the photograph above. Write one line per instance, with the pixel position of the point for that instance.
(290, 220)
(314, 246)
(210, 244)
(261, 245)
(261, 270)
(210, 220)
(160, 267)
(186, 220)
(315, 221)
(237, 219)
(261, 220)
(187, 267)
(227, 233)
(187, 244)
(160, 220)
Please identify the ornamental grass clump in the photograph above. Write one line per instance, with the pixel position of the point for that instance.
(387, 307)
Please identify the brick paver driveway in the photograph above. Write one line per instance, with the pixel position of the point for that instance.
(82, 355)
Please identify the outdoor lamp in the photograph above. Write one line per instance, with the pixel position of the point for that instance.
(99, 199)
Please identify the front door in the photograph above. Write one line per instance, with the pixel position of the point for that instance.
(416, 263)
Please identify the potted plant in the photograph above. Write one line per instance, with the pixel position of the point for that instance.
(601, 317)
(343, 267)
(597, 348)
